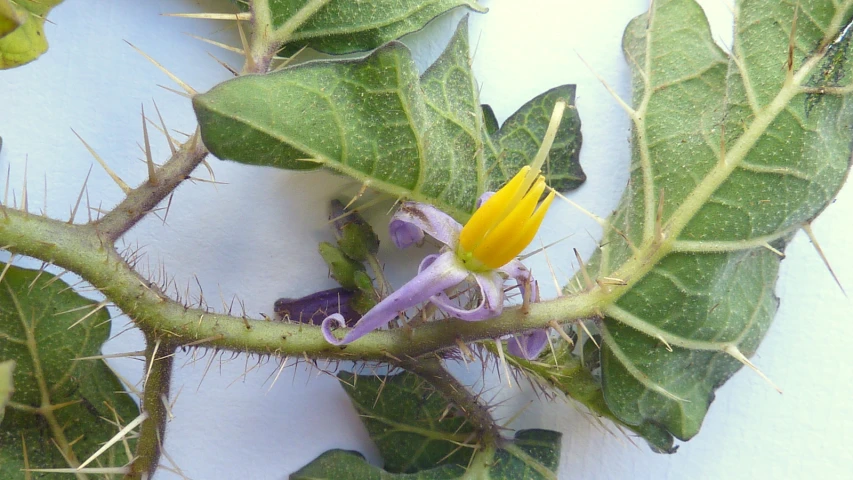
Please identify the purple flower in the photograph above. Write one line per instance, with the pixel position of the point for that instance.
(445, 270)
(483, 251)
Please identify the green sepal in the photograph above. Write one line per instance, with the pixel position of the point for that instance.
(342, 268)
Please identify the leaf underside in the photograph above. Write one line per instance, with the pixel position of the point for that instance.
(420, 436)
(344, 26)
(407, 420)
(373, 119)
(533, 455)
(78, 400)
(730, 157)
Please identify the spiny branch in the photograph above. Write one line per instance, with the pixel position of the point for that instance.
(432, 370)
(144, 198)
(80, 248)
(159, 356)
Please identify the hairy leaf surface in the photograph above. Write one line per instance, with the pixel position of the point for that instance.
(416, 431)
(533, 455)
(22, 37)
(373, 119)
(731, 156)
(345, 26)
(409, 422)
(58, 401)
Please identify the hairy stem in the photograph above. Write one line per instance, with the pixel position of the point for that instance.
(81, 249)
(432, 370)
(266, 39)
(158, 360)
(141, 200)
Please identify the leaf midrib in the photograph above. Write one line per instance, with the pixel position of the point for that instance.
(653, 250)
(311, 34)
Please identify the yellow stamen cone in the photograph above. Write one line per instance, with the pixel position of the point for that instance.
(490, 213)
(505, 224)
(507, 231)
(526, 234)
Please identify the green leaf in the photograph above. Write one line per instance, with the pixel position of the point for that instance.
(490, 121)
(58, 400)
(572, 376)
(349, 465)
(345, 26)
(520, 137)
(7, 385)
(533, 455)
(373, 119)
(731, 156)
(22, 38)
(409, 421)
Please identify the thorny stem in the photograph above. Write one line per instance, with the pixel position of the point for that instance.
(141, 200)
(136, 205)
(432, 370)
(267, 39)
(80, 248)
(158, 375)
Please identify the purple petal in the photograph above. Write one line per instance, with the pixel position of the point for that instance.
(523, 278)
(491, 299)
(317, 306)
(528, 345)
(404, 234)
(484, 197)
(426, 218)
(442, 272)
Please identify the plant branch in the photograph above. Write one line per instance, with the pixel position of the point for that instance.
(82, 250)
(432, 370)
(266, 39)
(158, 359)
(144, 198)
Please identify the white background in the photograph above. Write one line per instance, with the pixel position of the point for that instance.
(256, 236)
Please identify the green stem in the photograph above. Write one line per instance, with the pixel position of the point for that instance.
(432, 370)
(158, 375)
(82, 250)
(266, 39)
(145, 197)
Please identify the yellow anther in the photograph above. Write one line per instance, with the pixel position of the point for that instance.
(491, 213)
(506, 223)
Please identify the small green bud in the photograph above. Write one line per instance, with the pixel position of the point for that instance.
(363, 282)
(356, 237)
(342, 268)
(362, 301)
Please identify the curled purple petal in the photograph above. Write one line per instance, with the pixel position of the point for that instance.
(528, 345)
(443, 272)
(491, 299)
(427, 261)
(483, 198)
(326, 327)
(427, 219)
(404, 234)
